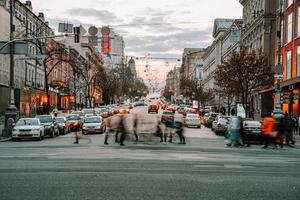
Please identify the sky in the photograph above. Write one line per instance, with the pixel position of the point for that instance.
(150, 28)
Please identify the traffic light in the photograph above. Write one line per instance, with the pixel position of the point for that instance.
(281, 98)
(76, 34)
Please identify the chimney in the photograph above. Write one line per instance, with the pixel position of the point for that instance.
(47, 23)
(28, 4)
(41, 16)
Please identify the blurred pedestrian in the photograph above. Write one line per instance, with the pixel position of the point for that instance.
(121, 130)
(280, 128)
(234, 129)
(180, 131)
(269, 133)
(135, 127)
(289, 124)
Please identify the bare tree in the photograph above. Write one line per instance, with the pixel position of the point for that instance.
(244, 72)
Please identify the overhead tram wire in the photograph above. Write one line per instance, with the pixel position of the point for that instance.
(158, 24)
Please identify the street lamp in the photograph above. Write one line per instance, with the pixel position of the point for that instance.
(11, 112)
(279, 68)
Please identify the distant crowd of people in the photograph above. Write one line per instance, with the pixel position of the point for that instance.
(118, 125)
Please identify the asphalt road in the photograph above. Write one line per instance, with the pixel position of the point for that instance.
(204, 168)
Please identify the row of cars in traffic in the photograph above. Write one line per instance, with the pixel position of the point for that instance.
(249, 129)
(88, 120)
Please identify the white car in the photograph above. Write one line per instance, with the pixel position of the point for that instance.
(93, 124)
(193, 120)
(28, 128)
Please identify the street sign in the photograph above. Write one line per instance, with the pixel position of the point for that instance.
(278, 69)
(278, 76)
(21, 48)
(65, 28)
(93, 40)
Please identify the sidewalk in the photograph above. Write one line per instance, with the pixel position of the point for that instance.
(2, 137)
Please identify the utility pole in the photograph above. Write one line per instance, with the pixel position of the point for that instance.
(11, 111)
(279, 67)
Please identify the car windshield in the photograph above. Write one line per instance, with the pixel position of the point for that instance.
(72, 117)
(92, 120)
(252, 123)
(27, 122)
(88, 111)
(45, 118)
(192, 116)
(60, 120)
(167, 113)
(78, 113)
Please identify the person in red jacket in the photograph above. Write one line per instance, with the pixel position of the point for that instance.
(269, 126)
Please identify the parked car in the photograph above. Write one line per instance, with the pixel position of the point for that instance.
(219, 126)
(153, 108)
(74, 122)
(63, 126)
(252, 131)
(93, 124)
(28, 128)
(80, 113)
(50, 126)
(167, 116)
(204, 119)
(88, 111)
(192, 120)
(210, 119)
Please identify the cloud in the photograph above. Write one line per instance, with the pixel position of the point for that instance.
(166, 43)
(102, 15)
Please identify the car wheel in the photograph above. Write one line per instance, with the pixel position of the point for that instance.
(83, 133)
(13, 139)
(52, 134)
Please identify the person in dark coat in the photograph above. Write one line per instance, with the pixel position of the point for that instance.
(289, 124)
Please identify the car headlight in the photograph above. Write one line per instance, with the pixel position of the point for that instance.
(14, 130)
(84, 127)
(98, 127)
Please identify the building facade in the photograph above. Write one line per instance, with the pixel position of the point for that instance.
(226, 34)
(290, 51)
(29, 71)
(259, 32)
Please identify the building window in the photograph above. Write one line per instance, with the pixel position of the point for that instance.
(298, 61)
(290, 28)
(298, 21)
(289, 65)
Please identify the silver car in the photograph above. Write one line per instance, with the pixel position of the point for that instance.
(93, 124)
(28, 128)
(193, 120)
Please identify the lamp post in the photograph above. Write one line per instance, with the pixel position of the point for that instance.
(11, 112)
(279, 68)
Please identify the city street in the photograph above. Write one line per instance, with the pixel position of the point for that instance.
(204, 168)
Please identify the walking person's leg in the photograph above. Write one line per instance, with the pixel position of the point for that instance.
(106, 137)
(122, 138)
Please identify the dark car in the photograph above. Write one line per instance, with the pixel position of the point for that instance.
(50, 126)
(167, 116)
(153, 108)
(252, 131)
(62, 125)
(74, 122)
(210, 119)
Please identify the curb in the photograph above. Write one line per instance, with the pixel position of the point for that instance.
(5, 140)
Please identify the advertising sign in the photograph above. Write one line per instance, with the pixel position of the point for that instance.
(105, 42)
